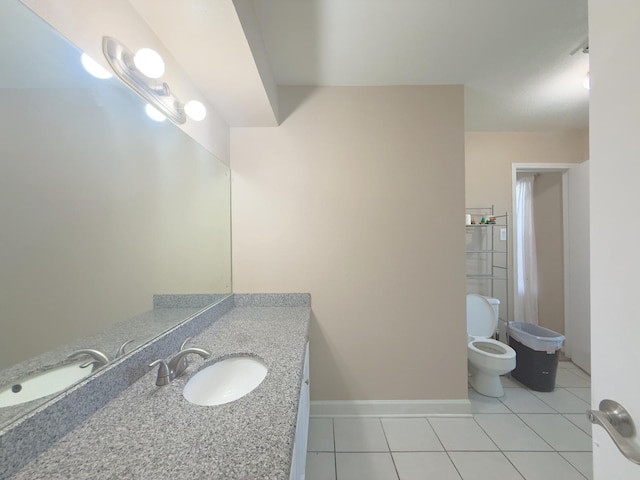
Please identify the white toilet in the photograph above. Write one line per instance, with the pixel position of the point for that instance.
(488, 358)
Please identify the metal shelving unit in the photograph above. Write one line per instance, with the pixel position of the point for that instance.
(487, 253)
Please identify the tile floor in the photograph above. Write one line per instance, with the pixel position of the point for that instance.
(524, 435)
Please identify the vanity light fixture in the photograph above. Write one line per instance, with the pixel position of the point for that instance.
(141, 72)
(587, 82)
(195, 110)
(94, 68)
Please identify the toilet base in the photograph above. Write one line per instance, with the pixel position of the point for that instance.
(487, 385)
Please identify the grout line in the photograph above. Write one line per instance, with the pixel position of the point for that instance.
(386, 439)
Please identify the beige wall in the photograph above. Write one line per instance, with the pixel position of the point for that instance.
(488, 167)
(547, 211)
(358, 198)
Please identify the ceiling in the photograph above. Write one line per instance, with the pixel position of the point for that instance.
(512, 56)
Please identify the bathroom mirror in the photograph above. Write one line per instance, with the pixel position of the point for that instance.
(101, 208)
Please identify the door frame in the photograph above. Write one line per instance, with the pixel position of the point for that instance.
(543, 168)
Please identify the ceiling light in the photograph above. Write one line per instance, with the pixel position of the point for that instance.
(586, 83)
(93, 67)
(195, 110)
(154, 113)
(149, 62)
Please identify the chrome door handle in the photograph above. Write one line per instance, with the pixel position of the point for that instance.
(617, 422)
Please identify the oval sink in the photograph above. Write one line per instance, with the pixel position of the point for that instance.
(225, 381)
(43, 383)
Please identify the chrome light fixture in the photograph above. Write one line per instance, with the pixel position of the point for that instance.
(141, 72)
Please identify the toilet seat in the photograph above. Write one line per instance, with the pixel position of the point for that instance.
(491, 348)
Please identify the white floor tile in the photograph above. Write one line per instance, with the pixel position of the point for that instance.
(482, 404)
(461, 434)
(562, 401)
(424, 466)
(566, 377)
(370, 466)
(484, 466)
(580, 420)
(321, 435)
(410, 435)
(569, 364)
(519, 400)
(543, 466)
(581, 373)
(359, 435)
(508, 382)
(511, 433)
(583, 461)
(320, 466)
(558, 432)
(582, 393)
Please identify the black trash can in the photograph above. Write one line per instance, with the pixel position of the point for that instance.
(537, 350)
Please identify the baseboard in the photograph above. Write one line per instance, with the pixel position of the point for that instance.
(390, 408)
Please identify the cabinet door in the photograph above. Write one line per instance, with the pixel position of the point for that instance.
(299, 459)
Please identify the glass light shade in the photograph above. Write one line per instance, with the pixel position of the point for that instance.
(149, 62)
(154, 113)
(93, 67)
(195, 110)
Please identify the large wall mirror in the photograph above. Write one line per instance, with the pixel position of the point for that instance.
(101, 208)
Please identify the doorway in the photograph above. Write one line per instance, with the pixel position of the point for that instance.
(563, 239)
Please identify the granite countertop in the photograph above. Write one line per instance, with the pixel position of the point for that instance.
(151, 432)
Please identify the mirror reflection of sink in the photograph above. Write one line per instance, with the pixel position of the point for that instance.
(225, 381)
(43, 383)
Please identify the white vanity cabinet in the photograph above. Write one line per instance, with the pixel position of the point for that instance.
(299, 458)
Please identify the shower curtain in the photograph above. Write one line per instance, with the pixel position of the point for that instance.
(527, 280)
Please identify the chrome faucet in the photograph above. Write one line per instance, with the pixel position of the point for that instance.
(99, 359)
(177, 365)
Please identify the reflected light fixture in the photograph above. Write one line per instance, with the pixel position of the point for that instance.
(154, 114)
(149, 62)
(587, 82)
(94, 68)
(141, 72)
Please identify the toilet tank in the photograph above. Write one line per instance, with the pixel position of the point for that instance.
(495, 304)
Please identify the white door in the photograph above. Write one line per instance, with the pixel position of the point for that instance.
(614, 42)
(577, 302)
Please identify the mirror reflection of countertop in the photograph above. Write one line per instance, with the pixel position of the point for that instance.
(153, 432)
(140, 329)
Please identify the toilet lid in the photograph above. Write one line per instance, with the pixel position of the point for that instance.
(481, 318)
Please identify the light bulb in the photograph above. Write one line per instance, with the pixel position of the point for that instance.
(587, 82)
(195, 110)
(149, 62)
(154, 113)
(93, 67)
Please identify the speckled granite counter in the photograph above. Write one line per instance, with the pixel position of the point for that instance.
(150, 432)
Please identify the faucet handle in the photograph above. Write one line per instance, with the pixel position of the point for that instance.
(120, 351)
(164, 374)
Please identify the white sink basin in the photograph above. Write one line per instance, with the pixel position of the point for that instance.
(43, 383)
(225, 381)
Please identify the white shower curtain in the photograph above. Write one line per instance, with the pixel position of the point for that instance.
(527, 290)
